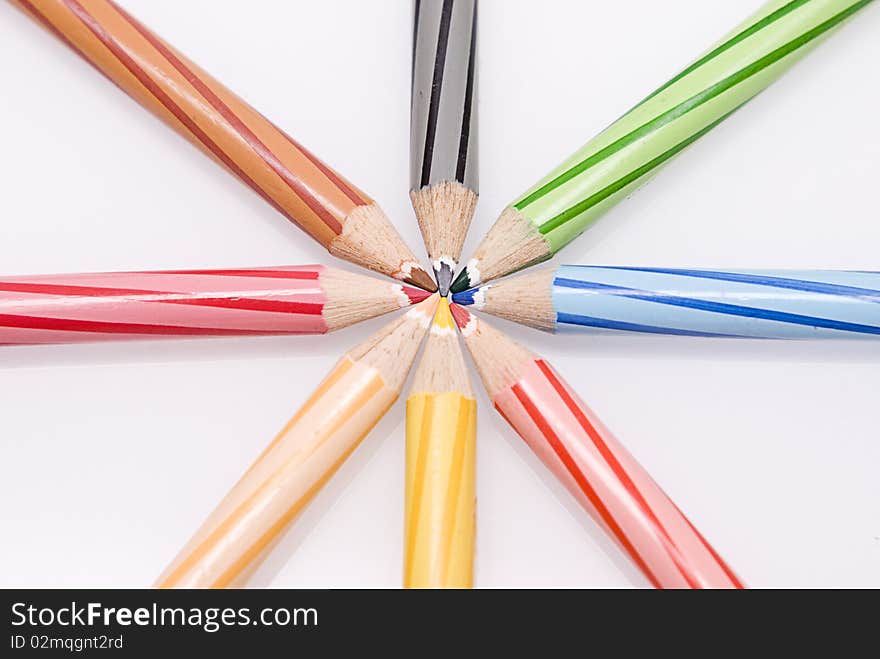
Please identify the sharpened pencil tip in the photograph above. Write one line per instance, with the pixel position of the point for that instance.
(465, 298)
(461, 316)
(424, 310)
(443, 318)
(444, 278)
(415, 295)
(418, 277)
(462, 282)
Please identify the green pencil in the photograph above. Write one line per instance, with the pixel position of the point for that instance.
(621, 158)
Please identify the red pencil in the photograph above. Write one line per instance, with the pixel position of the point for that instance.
(306, 299)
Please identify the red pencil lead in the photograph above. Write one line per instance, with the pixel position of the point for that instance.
(460, 314)
(415, 295)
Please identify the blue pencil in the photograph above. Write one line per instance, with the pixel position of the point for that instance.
(767, 304)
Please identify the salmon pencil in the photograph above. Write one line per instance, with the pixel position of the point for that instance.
(305, 454)
(605, 479)
(309, 193)
(441, 428)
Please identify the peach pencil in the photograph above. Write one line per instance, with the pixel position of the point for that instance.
(270, 495)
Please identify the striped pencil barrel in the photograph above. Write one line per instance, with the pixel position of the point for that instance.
(441, 428)
(597, 470)
(443, 127)
(267, 499)
(558, 208)
(771, 304)
(308, 299)
(284, 173)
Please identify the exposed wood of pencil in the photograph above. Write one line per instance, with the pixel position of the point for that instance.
(605, 479)
(352, 297)
(443, 125)
(290, 178)
(369, 239)
(440, 465)
(499, 360)
(302, 457)
(512, 244)
(525, 299)
(441, 368)
(444, 212)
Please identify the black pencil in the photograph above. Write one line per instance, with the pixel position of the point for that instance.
(443, 121)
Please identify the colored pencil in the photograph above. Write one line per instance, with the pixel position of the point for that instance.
(303, 299)
(304, 455)
(441, 430)
(769, 304)
(558, 208)
(306, 191)
(598, 471)
(443, 128)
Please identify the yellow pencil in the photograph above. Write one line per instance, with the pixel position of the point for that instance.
(441, 428)
(294, 467)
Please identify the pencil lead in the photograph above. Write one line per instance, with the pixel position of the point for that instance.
(444, 268)
(415, 295)
(467, 278)
(462, 317)
(418, 276)
(472, 296)
(443, 322)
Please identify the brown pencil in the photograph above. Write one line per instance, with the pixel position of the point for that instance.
(306, 191)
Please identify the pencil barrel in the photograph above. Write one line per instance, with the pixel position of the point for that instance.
(627, 153)
(274, 165)
(136, 305)
(443, 118)
(609, 484)
(440, 491)
(774, 304)
(283, 480)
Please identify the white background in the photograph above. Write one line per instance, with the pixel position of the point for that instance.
(111, 455)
